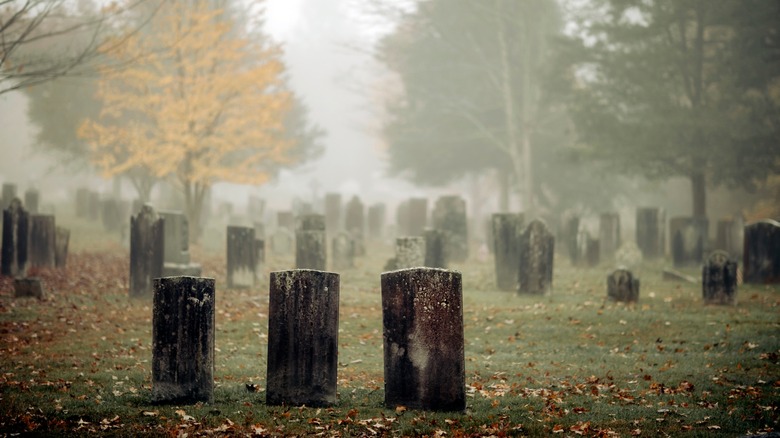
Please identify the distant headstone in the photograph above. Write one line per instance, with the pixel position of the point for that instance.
(43, 235)
(622, 286)
(650, 237)
(436, 253)
(571, 235)
(507, 229)
(409, 252)
(343, 251)
(730, 236)
(30, 287)
(422, 315)
(282, 242)
(354, 217)
(311, 243)
(402, 218)
(16, 223)
(689, 238)
(241, 257)
(183, 328)
(537, 246)
(609, 235)
(61, 242)
(761, 258)
(303, 326)
(333, 212)
(176, 248)
(412, 217)
(285, 219)
(9, 194)
(376, 221)
(719, 279)
(589, 249)
(93, 205)
(32, 200)
(449, 216)
(110, 214)
(146, 251)
(82, 203)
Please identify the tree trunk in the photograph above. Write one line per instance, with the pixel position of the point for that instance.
(699, 190)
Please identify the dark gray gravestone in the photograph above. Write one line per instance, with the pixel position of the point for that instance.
(719, 279)
(376, 221)
(609, 235)
(183, 340)
(311, 243)
(343, 251)
(417, 218)
(449, 216)
(761, 257)
(285, 219)
(589, 249)
(537, 246)
(61, 242)
(16, 223)
(9, 194)
(409, 252)
(729, 236)
(42, 243)
(689, 237)
(241, 257)
(32, 200)
(650, 224)
(303, 327)
(82, 203)
(31, 287)
(435, 248)
(507, 228)
(333, 212)
(622, 286)
(146, 251)
(422, 320)
(571, 234)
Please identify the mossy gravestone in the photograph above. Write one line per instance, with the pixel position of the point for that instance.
(310, 243)
(422, 320)
(449, 216)
(719, 279)
(303, 326)
(183, 340)
(507, 228)
(622, 286)
(537, 246)
(43, 235)
(241, 257)
(761, 259)
(435, 248)
(409, 252)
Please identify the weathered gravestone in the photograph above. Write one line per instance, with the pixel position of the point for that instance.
(310, 243)
(422, 320)
(409, 252)
(32, 200)
(343, 251)
(16, 222)
(609, 235)
(42, 243)
(622, 286)
(537, 246)
(507, 228)
(571, 233)
(333, 212)
(719, 279)
(354, 223)
(729, 236)
(176, 246)
(303, 326)
(183, 340)
(761, 258)
(30, 287)
(146, 251)
(9, 194)
(376, 221)
(449, 216)
(589, 249)
(436, 254)
(241, 257)
(650, 237)
(61, 242)
(689, 238)
(282, 242)
(285, 219)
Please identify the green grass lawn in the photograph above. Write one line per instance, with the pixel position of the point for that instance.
(568, 364)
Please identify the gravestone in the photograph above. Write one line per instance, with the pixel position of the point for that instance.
(343, 251)
(409, 252)
(93, 205)
(571, 234)
(82, 203)
(9, 194)
(32, 200)
(729, 236)
(449, 216)
(241, 257)
(376, 221)
(537, 245)
(719, 279)
(609, 235)
(61, 242)
(435, 248)
(650, 222)
(622, 286)
(303, 327)
(354, 223)
(507, 228)
(260, 243)
(111, 214)
(16, 223)
(333, 212)
(412, 217)
(183, 340)
(285, 219)
(311, 243)
(176, 248)
(589, 249)
(42, 243)
(402, 218)
(30, 287)
(689, 237)
(282, 242)
(761, 257)
(146, 251)
(422, 320)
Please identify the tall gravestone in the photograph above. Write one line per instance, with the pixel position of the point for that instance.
(176, 249)
(719, 279)
(436, 253)
(571, 234)
(622, 286)
(343, 251)
(311, 243)
(609, 235)
(376, 221)
(689, 239)
(422, 320)
(303, 326)
(507, 229)
(32, 200)
(61, 243)
(41, 247)
(409, 252)
(449, 216)
(333, 212)
(183, 328)
(588, 249)
(16, 222)
(729, 236)
(761, 256)
(9, 194)
(241, 257)
(146, 251)
(537, 246)
(354, 223)
(650, 238)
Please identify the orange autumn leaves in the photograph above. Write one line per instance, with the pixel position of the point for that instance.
(191, 96)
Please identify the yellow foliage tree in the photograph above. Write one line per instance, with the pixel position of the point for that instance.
(190, 98)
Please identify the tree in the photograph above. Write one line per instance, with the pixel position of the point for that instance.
(656, 90)
(197, 102)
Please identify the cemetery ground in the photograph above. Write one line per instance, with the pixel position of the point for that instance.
(569, 364)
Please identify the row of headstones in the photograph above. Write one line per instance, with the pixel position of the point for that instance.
(31, 241)
(90, 205)
(423, 339)
(449, 221)
(32, 198)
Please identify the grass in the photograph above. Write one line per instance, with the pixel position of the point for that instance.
(568, 364)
